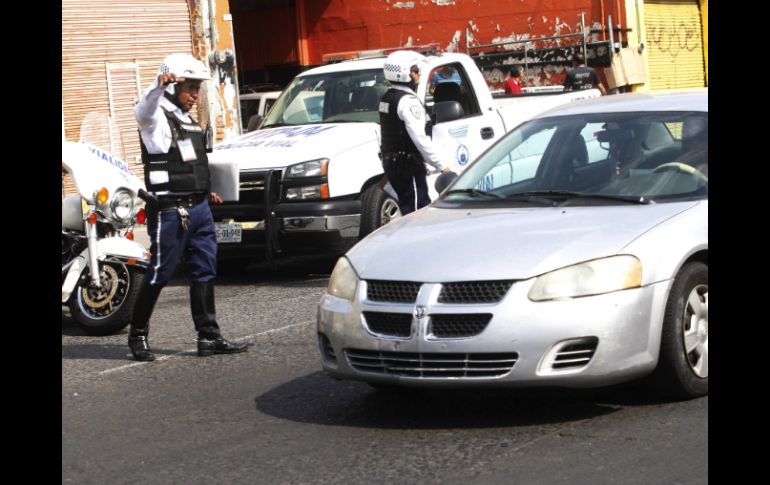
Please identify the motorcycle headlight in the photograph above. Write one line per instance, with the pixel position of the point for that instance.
(311, 168)
(343, 280)
(590, 278)
(122, 206)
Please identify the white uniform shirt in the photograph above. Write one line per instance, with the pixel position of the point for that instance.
(153, 124)
(412, 112)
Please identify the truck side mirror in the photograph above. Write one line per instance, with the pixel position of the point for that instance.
(208, 139)
(447, 111)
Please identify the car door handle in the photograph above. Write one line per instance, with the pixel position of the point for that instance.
(487, 133)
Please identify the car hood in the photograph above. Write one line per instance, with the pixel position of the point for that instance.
(439, 245)
(287, 145)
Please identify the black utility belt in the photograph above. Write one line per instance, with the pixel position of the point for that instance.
(172, 202)
(400, 156)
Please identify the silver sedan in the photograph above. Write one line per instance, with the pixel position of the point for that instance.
(574, 252)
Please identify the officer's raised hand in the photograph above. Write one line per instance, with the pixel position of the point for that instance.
(168, 78)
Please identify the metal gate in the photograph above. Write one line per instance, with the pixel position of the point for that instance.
(110, 53)
(674, 44)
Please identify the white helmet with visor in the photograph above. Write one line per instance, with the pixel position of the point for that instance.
(400, 63)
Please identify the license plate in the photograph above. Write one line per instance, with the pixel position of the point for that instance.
(229, 233)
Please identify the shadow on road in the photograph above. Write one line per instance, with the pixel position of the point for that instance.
(318, 399)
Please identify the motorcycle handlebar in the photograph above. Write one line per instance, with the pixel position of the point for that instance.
(147, 197)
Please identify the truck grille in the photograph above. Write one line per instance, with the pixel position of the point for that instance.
(458, 326)
(433, 365)
(474, 291)
(389, 324)
(392, 291)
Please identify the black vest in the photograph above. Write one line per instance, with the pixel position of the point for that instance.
(394, 137)
(183, 177)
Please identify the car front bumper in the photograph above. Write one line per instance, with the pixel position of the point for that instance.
(538, 339)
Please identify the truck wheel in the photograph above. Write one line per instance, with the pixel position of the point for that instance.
(682, 371)
(377, 209)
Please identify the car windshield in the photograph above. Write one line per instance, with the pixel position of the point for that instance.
(328, 98)
(642, 157)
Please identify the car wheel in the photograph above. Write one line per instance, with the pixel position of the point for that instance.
(682, 370)
(377, 209)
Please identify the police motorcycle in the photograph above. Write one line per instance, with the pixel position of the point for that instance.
(102, 266)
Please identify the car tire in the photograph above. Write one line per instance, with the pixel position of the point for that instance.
(377, 209)
(230, 267)
(682, 371)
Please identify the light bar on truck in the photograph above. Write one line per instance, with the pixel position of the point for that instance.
(424, 49)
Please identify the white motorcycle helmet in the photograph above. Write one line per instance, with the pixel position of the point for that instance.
(184, 66)
(399, 63)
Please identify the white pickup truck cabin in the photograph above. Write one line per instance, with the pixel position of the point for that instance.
(310, 180)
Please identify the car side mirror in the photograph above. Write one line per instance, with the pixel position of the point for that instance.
(444, 180)
(254, 122)
(447, 111)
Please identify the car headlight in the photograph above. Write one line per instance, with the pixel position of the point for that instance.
(343, 280)
(590, 278)
(122, 206)
(308, 192)
(311, 168)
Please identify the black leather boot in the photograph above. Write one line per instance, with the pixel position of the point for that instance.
(205, 317)
(219, 346)
(137, 335)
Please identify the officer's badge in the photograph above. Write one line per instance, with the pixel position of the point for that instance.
(416, 111)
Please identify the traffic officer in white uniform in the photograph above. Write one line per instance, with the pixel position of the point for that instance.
(176, 171)
(404, 146)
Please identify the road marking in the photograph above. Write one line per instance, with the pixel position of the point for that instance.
(195, 349)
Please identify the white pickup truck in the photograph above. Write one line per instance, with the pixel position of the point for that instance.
(310, 180)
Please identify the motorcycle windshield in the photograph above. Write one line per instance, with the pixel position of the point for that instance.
(97, 160)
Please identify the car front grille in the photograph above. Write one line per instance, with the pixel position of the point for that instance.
(459, 326)
(431, 365)
(389, 324)
(474, 291)
(392, 291)
(575, 353)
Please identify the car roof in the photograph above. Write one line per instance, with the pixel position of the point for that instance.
(679, 100)
(353, 65)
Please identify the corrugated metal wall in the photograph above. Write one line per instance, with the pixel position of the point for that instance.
(98, 36)
(674, 44)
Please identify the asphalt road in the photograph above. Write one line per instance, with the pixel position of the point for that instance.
(271, 416)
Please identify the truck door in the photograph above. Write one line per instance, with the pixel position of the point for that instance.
(464, 139)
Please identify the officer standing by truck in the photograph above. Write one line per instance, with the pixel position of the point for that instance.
(176, 171)
(404, 146)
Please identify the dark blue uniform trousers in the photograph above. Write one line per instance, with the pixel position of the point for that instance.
(169, 241)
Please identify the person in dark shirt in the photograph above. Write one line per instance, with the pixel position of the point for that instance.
(582, 77)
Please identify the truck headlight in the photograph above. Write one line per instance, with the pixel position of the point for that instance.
(590, 278)
(308, 192)
(122, 206)
(311, 168)
(343, 280)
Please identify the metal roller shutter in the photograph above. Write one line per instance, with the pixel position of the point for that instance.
(110, 54)
(674, 44)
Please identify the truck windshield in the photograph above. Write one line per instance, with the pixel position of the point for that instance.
(328, 98)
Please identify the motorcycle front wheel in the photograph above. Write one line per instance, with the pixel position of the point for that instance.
(108, 309)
